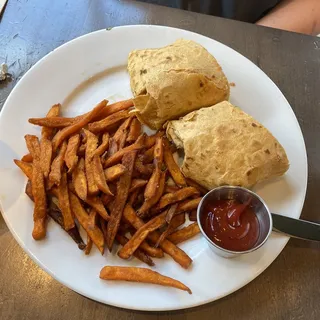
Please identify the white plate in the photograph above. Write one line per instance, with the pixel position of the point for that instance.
(60, 77)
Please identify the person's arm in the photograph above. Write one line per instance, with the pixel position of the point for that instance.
(301, 16)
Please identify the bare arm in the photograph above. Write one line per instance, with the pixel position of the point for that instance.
(301, 16)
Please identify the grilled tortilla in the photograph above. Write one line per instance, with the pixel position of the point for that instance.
(225, 146)
(172, 81)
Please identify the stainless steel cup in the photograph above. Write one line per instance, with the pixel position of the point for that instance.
(242, 195)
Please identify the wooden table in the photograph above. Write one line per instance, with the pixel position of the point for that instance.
(289, 288)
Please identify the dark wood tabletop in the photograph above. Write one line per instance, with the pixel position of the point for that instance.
(289, 288)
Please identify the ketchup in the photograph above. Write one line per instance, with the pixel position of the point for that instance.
(230, 224)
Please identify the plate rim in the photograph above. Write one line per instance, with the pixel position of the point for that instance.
(124, 306)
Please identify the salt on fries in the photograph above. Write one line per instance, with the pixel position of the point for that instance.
(99, 172)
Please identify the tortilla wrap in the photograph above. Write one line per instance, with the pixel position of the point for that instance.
(172, 81)
(225, 146)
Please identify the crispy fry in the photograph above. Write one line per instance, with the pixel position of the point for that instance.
(202, 190)
(96, 204)
(171, 212)
(139, 254)
(104, 124)
(45, 156)
(135, 131)
(151, 140)
(64, 202)
(28, 190)
(92, 143)
(188, 205)
(92, 220)
(82, 216)
(144, 169)
(106, 199)
(25, 167)
(137, 184)
(172, 166)
(151, 251)
(88, 247)
(103, 225)
(55, 213)
(170, 189)
(184, 233)
(53, 122)
(103, 146)
(177, 196)
(141, 234)
(71, 157)
(114, 108)
(38, 190)
(48, 133)
(99, 176)
(115, 158)
(148, 155)
(133, 197)
(168, 247)
(113, 147)
(193, 215)
(56, 166)
(144, 275)
(79, 180)
(121, 134)
(114, 172)
(77, 126)
(149, 202)
(158, 152)
(82, 149)
(123, 186)
(27, 158)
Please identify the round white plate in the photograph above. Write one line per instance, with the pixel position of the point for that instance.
(93, 67)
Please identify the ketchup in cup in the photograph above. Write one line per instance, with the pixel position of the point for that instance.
(230, 224)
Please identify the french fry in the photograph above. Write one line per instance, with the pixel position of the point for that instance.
(148, 155)
(28, 190)
(88, 247)
(77, 125)
(113, 173)
(82, 149)
(55, 213)
(151, 140)
(103, 146)
(141, 234)
(139, 254)
(188, 205)
(120, 136)
(137, 184)
(193, 215)
(45, 156)
(27, 158)
(104, 124)
(92, 143)
(25, 167)
(82, 216)
(133, 197)
(103, 225)
(123, 186)
(71, 157)
(114, 108)
(184, 233)
(54, 111)
(135, 131)
(172, 166)
(144, 275)
(170, 189)
(64, 202)
(115, 158)
(171, 212)
(99, 176)
(56, 166)
(92, 220)
(53, 122)
(106, 199)
(202, 190)
(113, 147)
(38, 190)
(177, 196)
(168, 247)
(144, 169)
(149, 202)
(96, 203)
(79, 180)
